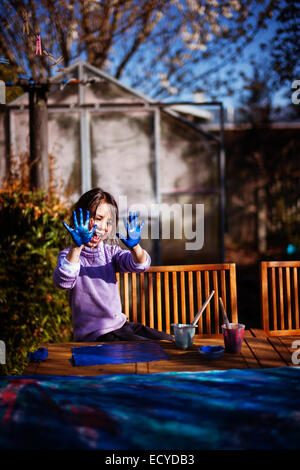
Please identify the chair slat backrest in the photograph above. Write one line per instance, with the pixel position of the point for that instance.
(279, 290)
(174, 294)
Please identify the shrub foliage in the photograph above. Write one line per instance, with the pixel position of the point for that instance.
(32, 309)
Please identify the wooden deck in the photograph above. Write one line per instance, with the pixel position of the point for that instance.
(258, 351)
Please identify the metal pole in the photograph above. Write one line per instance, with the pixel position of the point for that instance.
(85, 144)
(222, 185)
(38, 125)
(8, 149)
(157, 138)
(41, 143)
(32, 138)
(86, 169)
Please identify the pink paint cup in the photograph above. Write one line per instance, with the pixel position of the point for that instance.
(233, 337)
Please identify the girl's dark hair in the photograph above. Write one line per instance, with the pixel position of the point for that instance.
(90, 200)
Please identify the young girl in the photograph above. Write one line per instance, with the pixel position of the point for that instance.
(88, 270)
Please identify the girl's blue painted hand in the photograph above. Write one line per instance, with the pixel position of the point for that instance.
(134, 230)
(81, 234)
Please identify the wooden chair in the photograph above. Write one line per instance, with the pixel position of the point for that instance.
(173, 294)
(279, 289)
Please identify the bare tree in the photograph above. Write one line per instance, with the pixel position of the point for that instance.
(286, 46)
(162, 47)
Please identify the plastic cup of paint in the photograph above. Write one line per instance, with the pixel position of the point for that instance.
(184, 335)
(233, 337)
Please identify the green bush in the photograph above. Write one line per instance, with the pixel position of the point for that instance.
(32, 309)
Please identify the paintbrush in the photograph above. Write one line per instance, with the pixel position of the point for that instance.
(225, 318)
(194, 322)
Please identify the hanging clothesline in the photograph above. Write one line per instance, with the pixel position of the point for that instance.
(29, 83)
(25, 82)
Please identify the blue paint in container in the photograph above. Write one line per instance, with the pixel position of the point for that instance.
(211, 351)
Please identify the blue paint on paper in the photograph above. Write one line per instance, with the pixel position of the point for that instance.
(118, 353)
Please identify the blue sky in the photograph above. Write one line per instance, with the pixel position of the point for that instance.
(243, 64)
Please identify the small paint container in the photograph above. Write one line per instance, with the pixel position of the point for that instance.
(233, 337)
(211, 351)
(184, 335)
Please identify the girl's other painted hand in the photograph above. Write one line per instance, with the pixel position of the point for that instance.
(81, 234)
(134, 230)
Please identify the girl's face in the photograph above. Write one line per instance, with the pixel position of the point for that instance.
(104, 221)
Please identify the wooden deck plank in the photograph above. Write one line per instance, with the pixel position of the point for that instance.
(32, 368)
(228, 361)
(264, 352)
(248, 334)
(257, 351)
(248, 355)
(288, 341)
(282, 349)
(258, 332)
(59, 362)
(192, 361)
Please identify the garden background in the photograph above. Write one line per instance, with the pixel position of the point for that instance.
(243, 53)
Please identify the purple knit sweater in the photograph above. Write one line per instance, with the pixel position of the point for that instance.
(94, 293)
